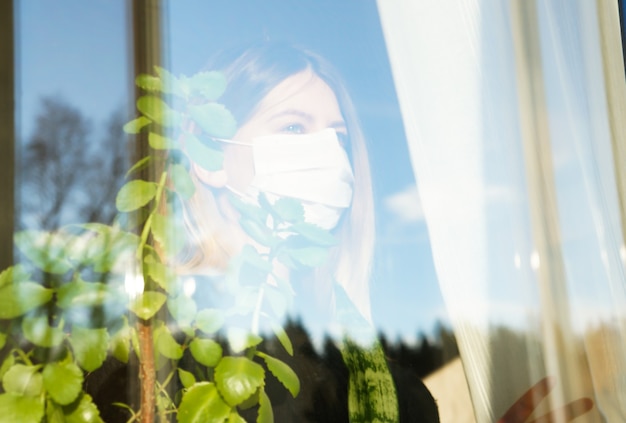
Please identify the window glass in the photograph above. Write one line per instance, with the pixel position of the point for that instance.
(115, 263)
(72, 97)
(292, 211)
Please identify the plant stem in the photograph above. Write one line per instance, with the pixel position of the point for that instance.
(23, 356)
(147, 372)
(148, 225)
(147, 368)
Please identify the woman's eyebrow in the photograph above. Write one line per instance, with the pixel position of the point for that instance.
(292, 112)
(338, 125)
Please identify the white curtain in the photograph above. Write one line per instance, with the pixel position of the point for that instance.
(510, 115)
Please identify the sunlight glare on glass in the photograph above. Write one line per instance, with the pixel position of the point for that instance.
(534, 260)
(189, 286)
(518, 261)
(133, 284)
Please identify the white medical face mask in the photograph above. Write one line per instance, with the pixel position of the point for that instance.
(313, 168)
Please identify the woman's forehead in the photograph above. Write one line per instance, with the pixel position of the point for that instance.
(302, 93)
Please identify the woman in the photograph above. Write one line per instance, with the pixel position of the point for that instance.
(278, 89)
(298, 137)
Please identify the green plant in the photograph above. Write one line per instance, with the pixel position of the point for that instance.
(90, 291)
(94, 290)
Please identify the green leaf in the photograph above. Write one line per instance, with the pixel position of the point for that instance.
(186, 378)
(206, 351)
(14, 274)
(283, 373)
(114, 260)
(283, 338)
(309, 256)
(314, 233)
(202, 404)
(147, 304)
(169, 235)
(140, 164)
(136, 125)
(209, 320)
(208, 156)
(288, 209)
(183, 184)
(234, 417)
(237, 378)
(63, 381)
(250, 402)
(148, 82)
(54, 412)
(249, 210)
(134, 342)
(266, 415)
(166, 344)
(84, 248)
(23, 380)
(7, 363)
(163, 275)
(258, 232)
(161, 232)
(188, 330)
(90, 346)
(284, 257)
(135, 194)
(214, 119)
(164, 403)
(171, 84)
(3, 339)
(250, 255)
(38, 331)
(120, 345)
(161, 362)
(183, 309)
(240, 339)
(111, 246)
(17, 408)
(157, 110)
(247, 298)
(211, 85)
(48, 251)
(85, 294)
(160, 142)
(82, 410)
(17, 299)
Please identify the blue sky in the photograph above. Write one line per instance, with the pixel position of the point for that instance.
(80, 50)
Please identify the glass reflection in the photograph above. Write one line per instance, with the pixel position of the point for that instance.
(73, 172)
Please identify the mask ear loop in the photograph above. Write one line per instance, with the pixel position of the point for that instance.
(228, 141)
(227, 186)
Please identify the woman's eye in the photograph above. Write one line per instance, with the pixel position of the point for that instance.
(294, 128)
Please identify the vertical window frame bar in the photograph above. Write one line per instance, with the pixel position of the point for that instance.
(7, 133)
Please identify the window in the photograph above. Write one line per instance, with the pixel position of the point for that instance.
(309, 191)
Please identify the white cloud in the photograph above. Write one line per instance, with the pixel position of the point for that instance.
(405, 205)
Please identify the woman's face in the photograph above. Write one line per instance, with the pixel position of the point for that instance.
(301, 104)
